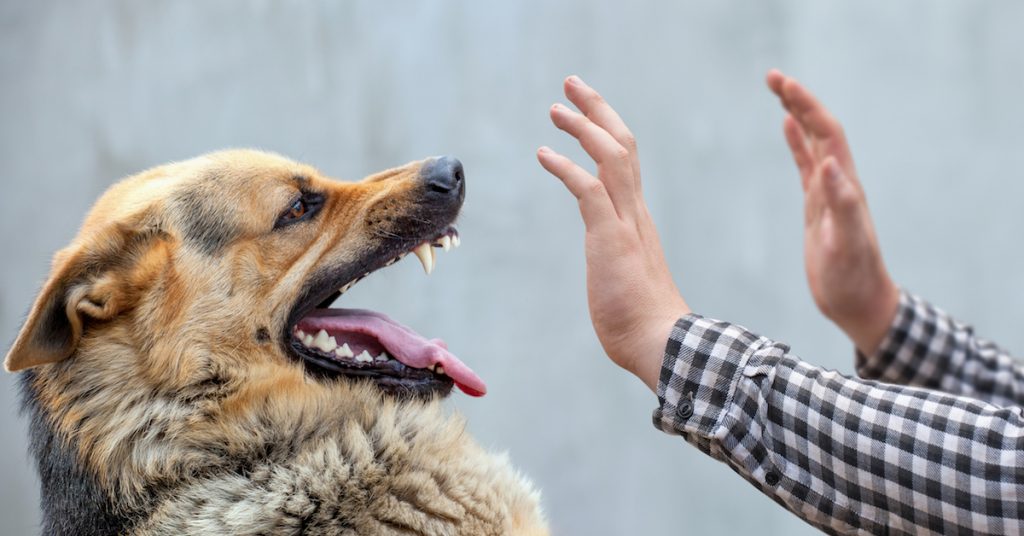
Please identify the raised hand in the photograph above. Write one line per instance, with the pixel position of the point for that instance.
(632, 297)
(845, 271)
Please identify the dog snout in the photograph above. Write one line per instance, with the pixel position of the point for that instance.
(444, 176)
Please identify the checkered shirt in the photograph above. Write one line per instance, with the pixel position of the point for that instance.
(936, 449)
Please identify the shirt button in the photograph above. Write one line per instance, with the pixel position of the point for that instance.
(771, 478)
(685, 409)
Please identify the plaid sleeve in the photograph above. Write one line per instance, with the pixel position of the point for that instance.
(925, 347)
(849, 456)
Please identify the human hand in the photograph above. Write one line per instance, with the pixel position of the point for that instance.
(845, 271)
(632, 297)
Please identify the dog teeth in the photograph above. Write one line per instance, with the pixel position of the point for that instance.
(446, 242)
(426, 255)
(324, 342)
(343, 351)
(329, 344)
(456, 241)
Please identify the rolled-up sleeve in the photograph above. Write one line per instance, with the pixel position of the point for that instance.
(847, 455)
(926, 347)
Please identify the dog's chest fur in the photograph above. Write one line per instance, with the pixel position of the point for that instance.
(405, 469)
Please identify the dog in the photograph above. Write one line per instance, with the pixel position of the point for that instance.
(183, 373)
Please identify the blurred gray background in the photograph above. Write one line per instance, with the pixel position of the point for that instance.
(930, 93)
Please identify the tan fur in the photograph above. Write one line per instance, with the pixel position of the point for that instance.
(194, 423)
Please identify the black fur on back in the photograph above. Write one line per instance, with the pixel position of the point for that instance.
(72, 501)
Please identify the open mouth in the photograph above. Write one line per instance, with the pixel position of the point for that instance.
(361, 344)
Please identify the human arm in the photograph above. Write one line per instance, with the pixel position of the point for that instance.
(899, 337)
(926, 347)
(846, 455)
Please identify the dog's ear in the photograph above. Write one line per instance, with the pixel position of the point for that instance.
(90, 281)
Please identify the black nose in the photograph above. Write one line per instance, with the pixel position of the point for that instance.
(443, 175)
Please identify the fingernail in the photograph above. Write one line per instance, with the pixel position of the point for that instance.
(558, 107)
(544, 150)
(575, 80)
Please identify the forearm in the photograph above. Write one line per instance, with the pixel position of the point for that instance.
(926, 347)
(846, 455)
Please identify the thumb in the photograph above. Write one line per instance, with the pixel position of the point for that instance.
(841, 195)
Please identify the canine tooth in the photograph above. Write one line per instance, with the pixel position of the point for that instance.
(426, 255)
(446, 242)
(343, 351)
(382, 357)
(364, 357)
(456, 240)
(307, 340)
(439, 370)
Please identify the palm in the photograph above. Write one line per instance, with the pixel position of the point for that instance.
(627, 296)
(840, 264)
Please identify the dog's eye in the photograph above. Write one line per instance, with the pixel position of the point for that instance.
(298, 209)
(302, 208)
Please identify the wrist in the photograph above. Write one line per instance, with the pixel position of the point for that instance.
(647, 364)
(870, 328)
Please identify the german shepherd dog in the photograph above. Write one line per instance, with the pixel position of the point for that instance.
(183, 373)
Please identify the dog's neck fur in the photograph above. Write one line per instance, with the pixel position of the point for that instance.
(71, 499)
(115, 456)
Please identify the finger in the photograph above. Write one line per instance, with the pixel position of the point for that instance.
(593, 105)
(811, 113)
(595, 205)
(798, 146)
(614, 168)
(823, 129)
(775, 79)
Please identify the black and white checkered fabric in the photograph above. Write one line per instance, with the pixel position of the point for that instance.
(942, 453)
(928, 348)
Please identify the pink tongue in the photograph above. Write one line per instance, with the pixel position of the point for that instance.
(401, 342)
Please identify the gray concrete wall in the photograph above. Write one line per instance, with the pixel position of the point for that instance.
(930, 93)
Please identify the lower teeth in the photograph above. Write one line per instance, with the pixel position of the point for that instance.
(344, 351)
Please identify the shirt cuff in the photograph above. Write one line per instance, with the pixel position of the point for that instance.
(703, 362)
(901, 355)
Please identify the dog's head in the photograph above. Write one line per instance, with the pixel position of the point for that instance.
(230, 260)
